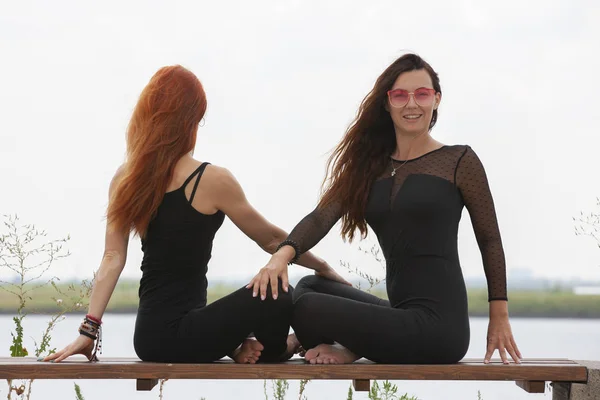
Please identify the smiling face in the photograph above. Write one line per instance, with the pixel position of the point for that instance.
(411, 102)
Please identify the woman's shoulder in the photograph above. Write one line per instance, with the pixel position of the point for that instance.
(219, 178)
(461, 150)
(458, 147)
(453, 152)
(118, 175)
(216, 172)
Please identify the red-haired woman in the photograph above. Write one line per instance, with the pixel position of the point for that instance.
(176, 205)
(388, 172)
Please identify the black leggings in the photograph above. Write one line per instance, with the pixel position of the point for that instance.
(326, 312)
(208, 333)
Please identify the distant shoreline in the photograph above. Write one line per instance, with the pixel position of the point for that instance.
(521, 304)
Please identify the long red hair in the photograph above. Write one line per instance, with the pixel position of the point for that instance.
(162, 129)
(364, 151)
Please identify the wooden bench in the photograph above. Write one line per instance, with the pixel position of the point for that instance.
(531, 374)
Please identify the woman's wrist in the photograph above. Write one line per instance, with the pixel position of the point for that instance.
(93, 318)
(284, 254)
(291, 249)
(91, 328)
(498, 309)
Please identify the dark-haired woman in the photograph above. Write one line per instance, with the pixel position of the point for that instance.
(390, 174)
(176, 204)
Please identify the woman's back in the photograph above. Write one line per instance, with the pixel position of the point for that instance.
(177, 248)
(176, 205)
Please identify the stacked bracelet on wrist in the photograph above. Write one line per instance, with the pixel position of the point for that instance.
(92, 328)
(293, 244)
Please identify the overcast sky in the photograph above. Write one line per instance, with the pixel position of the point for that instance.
(284, 79)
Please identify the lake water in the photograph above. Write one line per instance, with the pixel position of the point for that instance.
(569, 338)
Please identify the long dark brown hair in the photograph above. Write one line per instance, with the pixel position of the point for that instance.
(364, 151)
(162, 129)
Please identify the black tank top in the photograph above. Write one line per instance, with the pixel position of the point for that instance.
(177, 248)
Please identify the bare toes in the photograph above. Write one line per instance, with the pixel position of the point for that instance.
(311, 354)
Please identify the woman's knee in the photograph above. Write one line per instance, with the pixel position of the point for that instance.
(306, 285)
(305, 307)
(283, 301)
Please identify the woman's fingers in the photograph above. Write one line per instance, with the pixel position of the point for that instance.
(60, 355)
(269, 274)
(502, 351)
(285, 282)
(344, 281)
(254, 285)
(63, 356)
(274, 286)
(264, 283)
(53, 356)
(513, 353)
(514, 345)
(489, 353)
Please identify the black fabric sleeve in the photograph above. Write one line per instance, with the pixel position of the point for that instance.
(312, 228)
(472, 182)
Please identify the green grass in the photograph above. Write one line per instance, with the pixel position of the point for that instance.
(540, 304)
(521, 303)
(124, 298)
(551, 304)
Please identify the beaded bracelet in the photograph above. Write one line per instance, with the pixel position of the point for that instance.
(293, 244)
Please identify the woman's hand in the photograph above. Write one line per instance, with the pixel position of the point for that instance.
(331, 274)
(82, 345)
(276, 268)
(500, 337)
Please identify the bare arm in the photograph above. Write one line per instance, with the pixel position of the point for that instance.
(111, 266)
(229, 197)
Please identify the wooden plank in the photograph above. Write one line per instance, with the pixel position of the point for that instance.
(130, 360)
(11, 368)
(532, 386)
(146, 384)
(361, 385)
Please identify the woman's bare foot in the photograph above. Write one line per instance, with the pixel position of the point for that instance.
(330, 354)
(248, 352)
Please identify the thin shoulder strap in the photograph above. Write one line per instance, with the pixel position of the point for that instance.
(199, 171)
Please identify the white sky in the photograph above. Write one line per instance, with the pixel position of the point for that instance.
(284, 80)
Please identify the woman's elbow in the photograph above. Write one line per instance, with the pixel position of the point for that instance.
(270, 246)
(113, 259)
